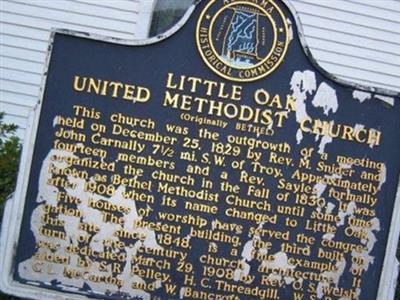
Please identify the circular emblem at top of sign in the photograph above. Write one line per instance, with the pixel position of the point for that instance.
(242, 40)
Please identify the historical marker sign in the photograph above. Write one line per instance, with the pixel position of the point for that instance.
(217, 163)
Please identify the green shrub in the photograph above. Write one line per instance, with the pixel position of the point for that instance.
(10, 150)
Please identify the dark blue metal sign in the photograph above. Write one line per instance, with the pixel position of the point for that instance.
(218, 163)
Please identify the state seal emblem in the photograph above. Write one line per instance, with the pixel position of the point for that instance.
(242, 40)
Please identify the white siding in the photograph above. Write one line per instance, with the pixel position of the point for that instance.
(358, 40)
(25, 27)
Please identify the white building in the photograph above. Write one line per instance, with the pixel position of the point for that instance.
(358, 40)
